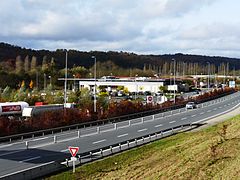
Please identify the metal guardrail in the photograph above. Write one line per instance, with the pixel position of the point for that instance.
(89, 156)
(33, 134)
(83, 158)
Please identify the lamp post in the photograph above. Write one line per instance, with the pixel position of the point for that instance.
(44, 83)
(174, 79)
(208, 75)
(74, 83)
(95, 71)
(136, 86)
(65, 82)
(50, 78)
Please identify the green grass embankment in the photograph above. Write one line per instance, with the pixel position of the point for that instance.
(212, 153)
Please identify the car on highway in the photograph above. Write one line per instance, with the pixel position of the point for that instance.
(191, 105)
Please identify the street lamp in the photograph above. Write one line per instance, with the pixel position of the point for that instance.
(65, 82)
(50, 78)
(174, 79)
(95, 70)
(44, 83)
(136, 86)
(208, 75)
(74, 83)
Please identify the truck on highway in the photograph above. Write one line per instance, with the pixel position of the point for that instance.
(32, 111)
(12, 108)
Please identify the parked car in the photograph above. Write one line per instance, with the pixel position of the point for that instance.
(191, 105)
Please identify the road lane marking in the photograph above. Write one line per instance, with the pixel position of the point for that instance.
(184, 118)
(220, 107)
(193, 115)
(172, 122)
(39, 139)
(159, 125)
(96, 142)
(209, 111)
(201, 113)
(64, 150)
(215, 109)
(13, 152)
(7, 145)
(122, 135)
(142, 130)
(24, 170)
(30, 159)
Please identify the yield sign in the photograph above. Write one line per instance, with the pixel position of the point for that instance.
(73, 150)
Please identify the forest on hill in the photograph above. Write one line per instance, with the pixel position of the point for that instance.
(18, 64)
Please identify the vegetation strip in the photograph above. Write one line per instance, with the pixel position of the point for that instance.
(212, 153)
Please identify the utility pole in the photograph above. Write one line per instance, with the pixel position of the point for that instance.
(65, 82)
(95, 76)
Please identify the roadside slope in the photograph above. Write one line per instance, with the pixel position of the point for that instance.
(211, 153)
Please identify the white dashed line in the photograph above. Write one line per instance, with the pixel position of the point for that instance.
(220, 107)
(64, 150)
(96, 142)
(122, 135)
(172, 122)
(159, 125)
(142, 130)
(30, 159)
(193, 115)
(184, 118)
(209, 111)
(201, 113)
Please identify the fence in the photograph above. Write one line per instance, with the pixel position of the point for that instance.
(98, 122)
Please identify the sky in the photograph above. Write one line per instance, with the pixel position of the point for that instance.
(204, 27)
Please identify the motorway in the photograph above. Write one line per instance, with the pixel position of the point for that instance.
(42, 150)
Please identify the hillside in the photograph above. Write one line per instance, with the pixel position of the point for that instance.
(211, 153)
(122, 59)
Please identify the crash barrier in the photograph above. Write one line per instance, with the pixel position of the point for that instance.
(34, 134)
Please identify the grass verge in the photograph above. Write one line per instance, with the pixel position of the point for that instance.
(212, 153)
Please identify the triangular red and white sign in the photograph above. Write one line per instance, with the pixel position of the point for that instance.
(73, 150)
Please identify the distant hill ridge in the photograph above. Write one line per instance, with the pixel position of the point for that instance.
(122, 59)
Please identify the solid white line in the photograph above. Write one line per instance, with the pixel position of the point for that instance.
(7, 145)
(96, 142)
(142, 130)
(159, 125)
(16, 172)
(184, 118)
(216, 115)
(122, 135)
(172, 122)
(26, 160)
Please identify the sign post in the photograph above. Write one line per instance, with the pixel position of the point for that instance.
(73, 151)
(149, 99)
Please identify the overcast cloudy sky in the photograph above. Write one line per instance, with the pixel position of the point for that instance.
(207, 27)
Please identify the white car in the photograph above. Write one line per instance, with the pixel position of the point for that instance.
(191, 105)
